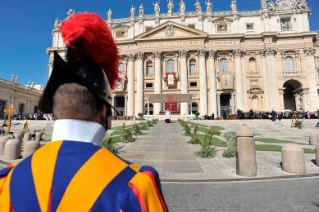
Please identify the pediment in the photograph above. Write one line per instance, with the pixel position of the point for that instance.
(171, 30)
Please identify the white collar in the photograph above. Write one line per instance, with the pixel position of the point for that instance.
(77, 130)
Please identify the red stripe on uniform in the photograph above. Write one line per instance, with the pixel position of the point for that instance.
(139, 197)
(151, 175)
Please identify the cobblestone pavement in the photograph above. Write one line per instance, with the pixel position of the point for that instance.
(300, 195)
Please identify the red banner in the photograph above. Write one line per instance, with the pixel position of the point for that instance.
(170, 80)
(171, 106)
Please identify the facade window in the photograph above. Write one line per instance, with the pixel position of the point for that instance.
(222, 28)
(121, 34)
(289, 63)
(250, 27)
(193, 84)
(149, 68)
(252, 66)
(285, 24)
(192, 67)
(121, 69)
(317, 73)
(170, 67)
(223, 66)
(149, 85)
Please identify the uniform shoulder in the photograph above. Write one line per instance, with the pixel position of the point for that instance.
(5, 171)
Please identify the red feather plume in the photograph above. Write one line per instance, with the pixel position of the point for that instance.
(89, 33)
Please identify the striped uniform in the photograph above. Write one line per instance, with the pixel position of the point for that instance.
(78, 176)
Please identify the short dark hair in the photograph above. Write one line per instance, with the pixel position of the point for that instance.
(74, 101)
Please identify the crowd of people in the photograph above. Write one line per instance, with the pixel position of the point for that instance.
(267, 115)
(278, 115)
(35, 116)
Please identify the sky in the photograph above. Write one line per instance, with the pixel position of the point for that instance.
(26, 26)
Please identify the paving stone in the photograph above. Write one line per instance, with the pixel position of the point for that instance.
(155, 156)
(157, 149)
(180, 156)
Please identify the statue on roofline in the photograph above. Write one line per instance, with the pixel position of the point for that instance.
(141, 10)
(133, 12)
(57, 24)
(182, 7)
(109, 15)
(198, 7)
(170, 6)
(233, 5)
(157, 8)
(264, 4)
(70, 13)
(209, 6)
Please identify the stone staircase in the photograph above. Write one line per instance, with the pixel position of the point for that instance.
(262, 128)
(268, 129)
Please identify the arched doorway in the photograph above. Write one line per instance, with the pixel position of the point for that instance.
(293, 92)
(194, 107)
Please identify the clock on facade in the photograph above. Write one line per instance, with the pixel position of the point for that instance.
(284, 4)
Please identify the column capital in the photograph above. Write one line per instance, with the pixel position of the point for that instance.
(309, 51)
(238, 52)
(139, 55)
(268, 51)
(212, 54)
(201, 52)
(158, 54)
(183, 53)
(130, 57)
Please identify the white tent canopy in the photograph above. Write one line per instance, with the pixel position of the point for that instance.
(164, 98)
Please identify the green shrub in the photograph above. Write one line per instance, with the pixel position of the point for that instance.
(194, 139)
(137, 130)
(230, 152)
(298, 124)
(197, 114)
(187, 130)
(110, 144)
(206, 151)
(140, 116)
(149, 124)
(128, 137)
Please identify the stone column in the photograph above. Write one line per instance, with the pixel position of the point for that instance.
(157, 80)
(312, 78)
(125, 105)
(139, 84)
(265, 81)
(212, 81)
(297, 102)
(203, 81)
(184, 79)
(130, 85)
(239, 79)
(218, 105)
(233, 103)
(273, 91)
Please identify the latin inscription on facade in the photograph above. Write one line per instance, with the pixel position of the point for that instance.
(189, 43)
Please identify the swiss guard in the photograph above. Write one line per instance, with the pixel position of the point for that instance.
(73, 173)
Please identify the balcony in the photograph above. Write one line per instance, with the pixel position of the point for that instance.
(254, 73)
(291, 73)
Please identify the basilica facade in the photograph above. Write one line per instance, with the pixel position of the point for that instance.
(260, 60)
